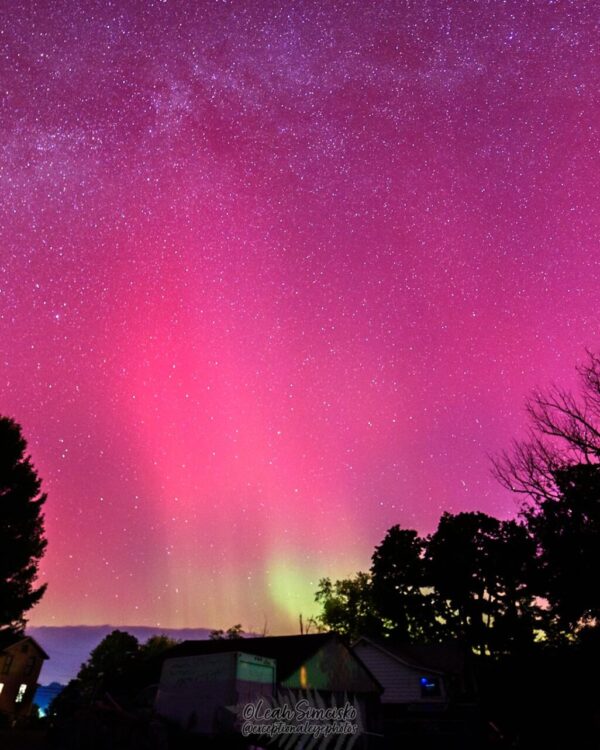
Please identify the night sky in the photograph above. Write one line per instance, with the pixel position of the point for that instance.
(276, 276)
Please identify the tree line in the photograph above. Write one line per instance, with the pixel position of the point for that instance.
(498, 585)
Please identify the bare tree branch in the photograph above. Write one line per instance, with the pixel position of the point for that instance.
(564, 430)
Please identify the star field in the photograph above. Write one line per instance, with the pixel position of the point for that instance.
(277, 276)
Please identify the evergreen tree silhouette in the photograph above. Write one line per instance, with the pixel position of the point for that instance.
(22, 541)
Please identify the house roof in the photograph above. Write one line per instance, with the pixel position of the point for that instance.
(9, 638)
(437, 657)
(447, 657)
(290, 651)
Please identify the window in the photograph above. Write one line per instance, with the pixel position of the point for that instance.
(8, 660)
(303, 677)
(21, 693)
(1, 687)
(430, 687)
(29, 666)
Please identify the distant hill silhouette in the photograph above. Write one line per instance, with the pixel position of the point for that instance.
(70, 645)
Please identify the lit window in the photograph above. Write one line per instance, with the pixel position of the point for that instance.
(21, 693)
(430, 687)
(1, 686)
(303, 677)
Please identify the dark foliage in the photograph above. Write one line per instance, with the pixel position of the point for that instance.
(567, 533)
(22, 541)
(116, 673)
(348, 606)
(470, 580)
(498, 586)
(557, 469)
(232, 633)
(546, 697)
(480, 570)
(399, 586)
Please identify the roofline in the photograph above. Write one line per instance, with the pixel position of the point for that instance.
(397, 658)
(261, 638)
(331, 635)
(360, 662)
(241, 650)
(27, 638)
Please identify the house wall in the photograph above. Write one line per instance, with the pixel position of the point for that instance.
(194, 690)
(23, 669)
(333, 668)
(339, 677)
(401, 682)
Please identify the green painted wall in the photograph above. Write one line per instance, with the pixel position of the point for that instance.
(333, 668)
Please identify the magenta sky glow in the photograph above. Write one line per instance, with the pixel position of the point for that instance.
(276, 276)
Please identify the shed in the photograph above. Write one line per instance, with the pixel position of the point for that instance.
(322, 662)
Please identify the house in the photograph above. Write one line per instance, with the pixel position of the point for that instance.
(407, 679)
(428, 698)
(21, 659)
(321, 664)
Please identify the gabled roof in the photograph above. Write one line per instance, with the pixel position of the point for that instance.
(9, 638)
(290, 651)
(438, 658)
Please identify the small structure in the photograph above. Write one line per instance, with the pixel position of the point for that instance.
(21, 659)
(406, 680)
(194, 690)
(428, 692)
(321, 664)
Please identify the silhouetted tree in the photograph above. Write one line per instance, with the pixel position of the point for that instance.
(400, 592)
(515, 610)
(567, 532)
(479, 568)
(471, 580)
(557, 469)
(564, 431)
(348, 606)
(311, 624)
(22, 541)
(156, 645)
(110, 665)
(235, 631)
(118, 667)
